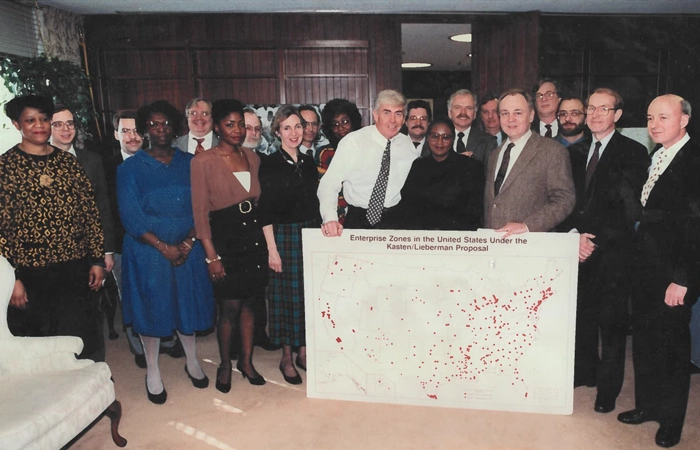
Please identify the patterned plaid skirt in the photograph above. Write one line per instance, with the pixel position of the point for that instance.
(286, 289)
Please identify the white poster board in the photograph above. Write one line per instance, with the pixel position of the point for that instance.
(453, 319)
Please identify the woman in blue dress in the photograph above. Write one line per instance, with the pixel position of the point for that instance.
(166, 283)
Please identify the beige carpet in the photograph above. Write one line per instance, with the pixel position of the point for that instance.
(279, 416)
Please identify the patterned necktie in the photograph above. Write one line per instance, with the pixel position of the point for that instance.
(200, 147)
(548, 133)
(592, 163)
(376, 200)
(654, 173)
(461, 148)
(502, 170)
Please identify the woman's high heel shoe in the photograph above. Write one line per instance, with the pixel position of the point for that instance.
(256, 381)
(299, 364)
(158, 399)
(199, 383)
(223, 387)
(291, 380)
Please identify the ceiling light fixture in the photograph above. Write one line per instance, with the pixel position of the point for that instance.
(415, 65)
(466, 37)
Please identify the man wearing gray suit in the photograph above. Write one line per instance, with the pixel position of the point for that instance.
(201, 136)
(529, 186)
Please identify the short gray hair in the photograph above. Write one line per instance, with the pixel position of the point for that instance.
(194, 101)
(686, 108)
(457, 94)
(389, 97)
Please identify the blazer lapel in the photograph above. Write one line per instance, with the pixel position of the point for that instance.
(529, 152)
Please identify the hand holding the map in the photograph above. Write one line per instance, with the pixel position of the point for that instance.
(274, 260)
(332, 228)
(675, 294)
(585, 246)
(513, 228)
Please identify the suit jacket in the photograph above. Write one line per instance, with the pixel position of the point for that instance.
(182, 142)
(669, 228)
(610, 205)
(481, 143)
(538, 191)
(94, 169)
(110, 165)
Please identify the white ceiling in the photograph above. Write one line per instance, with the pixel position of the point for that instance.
(420, 42)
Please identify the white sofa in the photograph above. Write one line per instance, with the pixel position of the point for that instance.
(47, 396)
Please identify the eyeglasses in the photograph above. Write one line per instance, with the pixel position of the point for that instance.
(602, 110)
(253, 129)
(154, 124)
(443, 136)
(129, 131)
(418, 118)
(342, 122)
(58, 125)
(574, 114)
(548, 94)
(198, 113)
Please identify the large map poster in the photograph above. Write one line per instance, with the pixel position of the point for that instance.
(455, 319)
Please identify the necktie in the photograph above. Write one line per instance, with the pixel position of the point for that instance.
(310, 152)
(416, 144)
(503, 169)
(200, 147)
(592, 163)
(461, 148)
(548, 133)
(376, 200)
(654, 173)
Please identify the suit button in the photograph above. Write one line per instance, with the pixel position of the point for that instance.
(243, 223)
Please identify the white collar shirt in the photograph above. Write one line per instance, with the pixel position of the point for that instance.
(603, 145)
(192, 144)
(514, 153)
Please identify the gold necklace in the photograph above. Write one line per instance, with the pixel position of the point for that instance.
(45, 180)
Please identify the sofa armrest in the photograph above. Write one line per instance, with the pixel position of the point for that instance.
(40, 354)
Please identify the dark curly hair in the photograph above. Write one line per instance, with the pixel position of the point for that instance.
(15, 107)
(143, 115)
(220, 109)
(335, 107)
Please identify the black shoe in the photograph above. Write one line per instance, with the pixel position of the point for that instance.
(223, 387)
(199, 383)
(291, 380)
(257, 380)
(176, 351)
(669, 435)
(158, 399)
(300, 364)
(140, 361)
(264, 342)
(635, 417)
(604, 404)
(113, 335)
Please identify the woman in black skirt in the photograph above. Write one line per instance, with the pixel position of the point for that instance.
(288, 179)
(225, 192)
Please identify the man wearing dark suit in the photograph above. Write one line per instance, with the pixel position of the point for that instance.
(667, 249)
(528, 178)
(547, 97)
(469, 141)
(201, 136)
(609, 170)
(489, 120)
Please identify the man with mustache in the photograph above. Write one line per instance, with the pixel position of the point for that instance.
(201, 135)
(417, 121)
(253, 133)
(572, 121)
(470, 141)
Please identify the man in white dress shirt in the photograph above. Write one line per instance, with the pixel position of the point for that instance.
(370, 165)
(201, 136)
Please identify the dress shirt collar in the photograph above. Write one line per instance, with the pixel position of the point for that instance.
(603, 145)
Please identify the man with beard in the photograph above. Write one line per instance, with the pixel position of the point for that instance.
(417, 120)
(253, 133)
(572, 121)
(609, 170)
(470, 141)
(201, 136)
